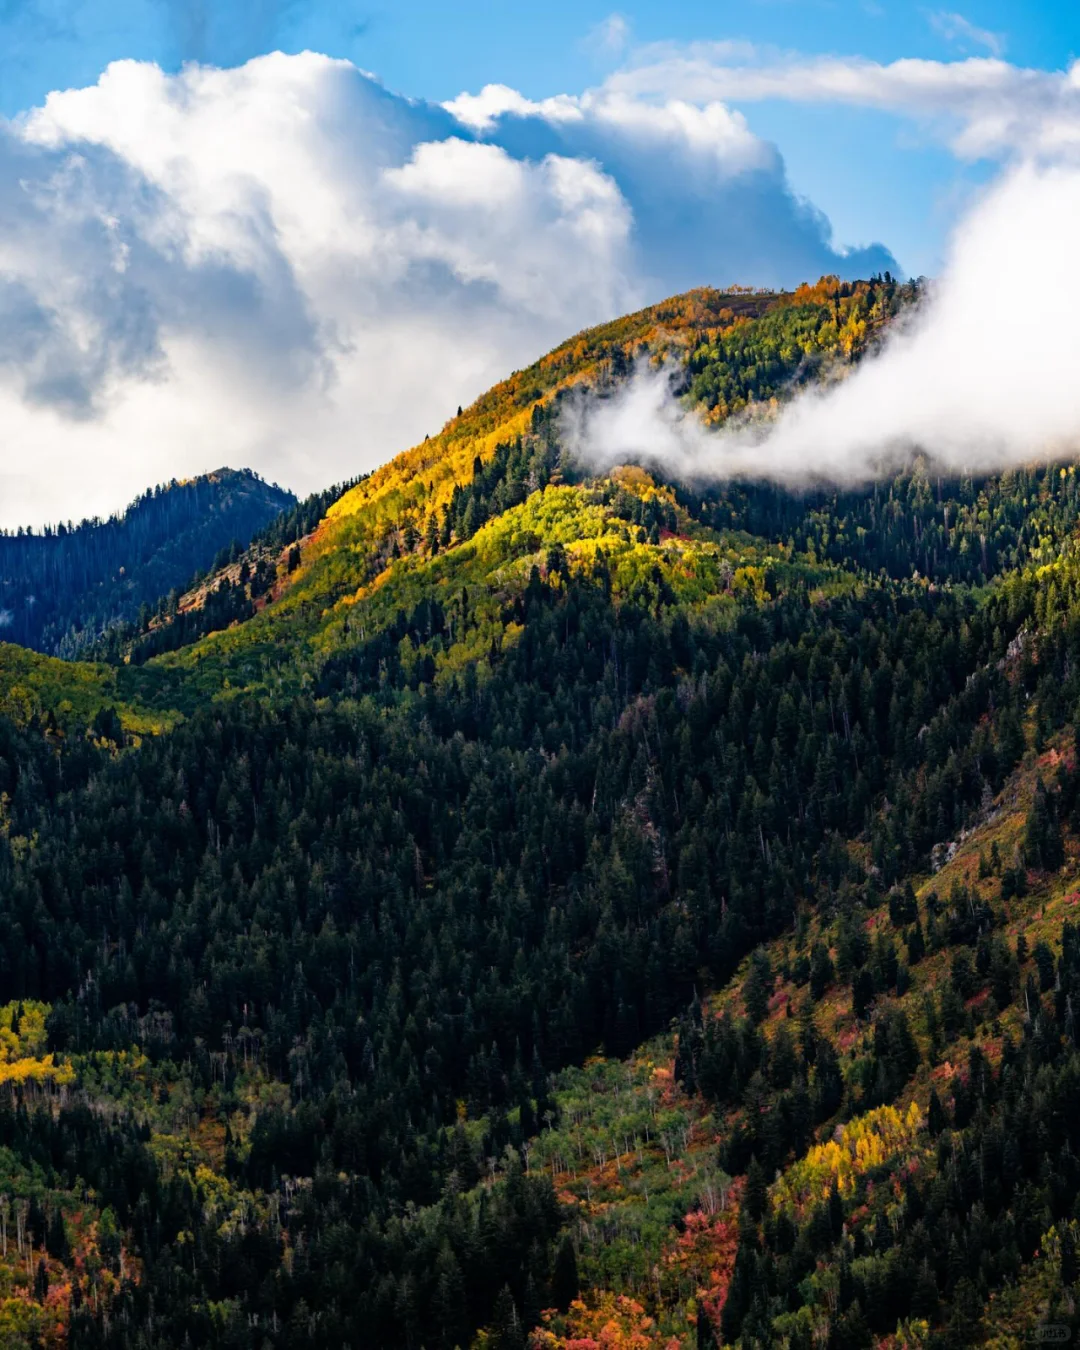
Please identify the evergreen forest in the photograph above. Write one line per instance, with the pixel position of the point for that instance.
(65, 588)
(505, 906)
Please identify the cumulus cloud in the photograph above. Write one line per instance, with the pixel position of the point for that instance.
(710, 199)
(285, 265)
(983, 377)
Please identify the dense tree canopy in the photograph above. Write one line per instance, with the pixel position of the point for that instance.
(756, 794)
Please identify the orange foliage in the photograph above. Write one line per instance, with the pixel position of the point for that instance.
(615, 1322)
(664, 1078)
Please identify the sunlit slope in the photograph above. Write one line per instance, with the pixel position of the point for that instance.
(420, 481)
(736, 347)
(425, 474)
(62, 693)
(564, 530)
(428, 503)
(400, 498)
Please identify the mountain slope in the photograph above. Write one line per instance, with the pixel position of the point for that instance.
(742, 347)
(518, 766)
(61, 589)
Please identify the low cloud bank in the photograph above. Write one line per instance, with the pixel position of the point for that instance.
(985, 375)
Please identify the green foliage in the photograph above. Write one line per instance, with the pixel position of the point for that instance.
(59, 697)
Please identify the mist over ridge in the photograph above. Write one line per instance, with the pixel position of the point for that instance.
(981, 375)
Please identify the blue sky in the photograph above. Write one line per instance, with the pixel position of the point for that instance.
(434, 49)
(872, 174)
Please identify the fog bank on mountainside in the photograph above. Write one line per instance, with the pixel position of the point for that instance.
(980, 378)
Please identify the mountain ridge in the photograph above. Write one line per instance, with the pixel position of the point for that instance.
(62, 588)
(575, 910)
(389, 514)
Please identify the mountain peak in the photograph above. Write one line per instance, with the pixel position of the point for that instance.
(62, 588)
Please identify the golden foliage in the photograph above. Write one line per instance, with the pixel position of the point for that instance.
(611, 1322)
(859, 1147)
(22, 1040)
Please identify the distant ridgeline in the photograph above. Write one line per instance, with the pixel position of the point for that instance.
(60, 589)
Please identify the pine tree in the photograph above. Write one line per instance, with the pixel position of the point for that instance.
(758, 987)
(756, 1191)
(1043, 846)
(821, 970)
(56, 1241)
(506, 1329)
(564, 1277)
(1044, 962)
(450, 1305)
(41, 1281)
(1068, 1256)
(936, 1120)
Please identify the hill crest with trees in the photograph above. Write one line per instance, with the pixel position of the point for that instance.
(65, 587)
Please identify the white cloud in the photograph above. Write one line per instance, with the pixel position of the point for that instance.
(710, 199)
(481, 112)
(542, 235)
(286, 266)
(976, 383)
(961, 31)
(712, 129)
(982, 106)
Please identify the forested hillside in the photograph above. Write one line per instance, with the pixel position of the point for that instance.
(63, 587)
(566, 911)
